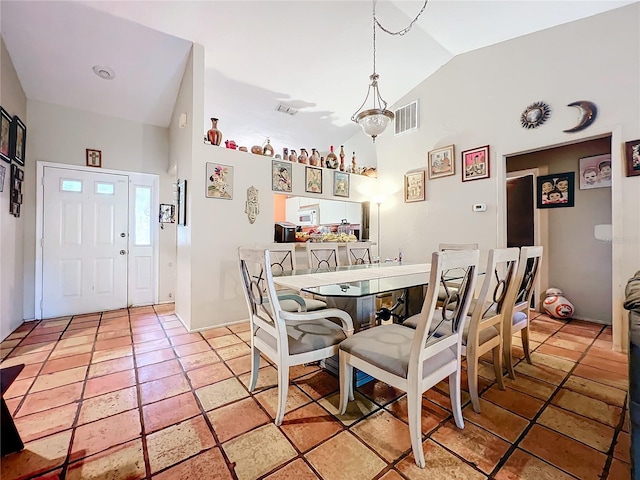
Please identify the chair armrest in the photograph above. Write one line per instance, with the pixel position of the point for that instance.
(296, 298)
(344, 317)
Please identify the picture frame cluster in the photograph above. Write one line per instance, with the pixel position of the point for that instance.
(13, 142)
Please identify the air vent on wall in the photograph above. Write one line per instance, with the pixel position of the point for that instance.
(406, 118)
(286, 109)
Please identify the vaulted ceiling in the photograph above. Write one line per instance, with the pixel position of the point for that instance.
(315, 56)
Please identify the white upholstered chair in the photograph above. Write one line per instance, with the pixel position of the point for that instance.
(285, 338)
(358, 253)
(283, 259)
(322, 255)
(414, 360)
(516, 316)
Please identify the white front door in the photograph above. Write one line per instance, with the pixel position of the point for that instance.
(85, 239)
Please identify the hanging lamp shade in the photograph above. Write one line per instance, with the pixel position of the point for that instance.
(373, 121)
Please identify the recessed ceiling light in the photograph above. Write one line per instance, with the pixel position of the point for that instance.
(103, 72)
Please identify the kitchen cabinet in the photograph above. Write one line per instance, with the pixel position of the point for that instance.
(292, 204)
(330, 211)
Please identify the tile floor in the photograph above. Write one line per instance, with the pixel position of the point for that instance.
(132, 395)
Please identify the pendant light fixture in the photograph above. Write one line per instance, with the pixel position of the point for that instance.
(374, 120)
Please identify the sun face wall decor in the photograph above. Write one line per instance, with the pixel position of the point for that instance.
(535, 115)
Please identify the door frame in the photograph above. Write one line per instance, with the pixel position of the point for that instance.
(146, 178)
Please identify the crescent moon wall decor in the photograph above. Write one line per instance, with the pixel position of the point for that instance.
(535, 115)
(588, 113)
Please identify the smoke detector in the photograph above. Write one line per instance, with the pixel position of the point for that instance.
(103, 72)
(286, 109)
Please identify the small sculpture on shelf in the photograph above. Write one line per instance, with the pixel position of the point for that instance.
(214, 135)
(354, 168)
(314, 159)
(342, 158)
(303, 157)
(292, 156)
(332, 159)
(285, 153)
(257, 149)
(230, 144)
(267, 150)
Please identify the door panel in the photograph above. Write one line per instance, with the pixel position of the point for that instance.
(520, 211)
(83, 269)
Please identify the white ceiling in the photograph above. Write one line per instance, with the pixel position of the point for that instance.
(312, 55)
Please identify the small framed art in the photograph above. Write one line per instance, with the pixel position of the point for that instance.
(556, 190)
(18, 140)
(632, 151)
(414, 187)
(595, 172)
(182, 202)
(340, 184)
(441, 163)
(475, 163)
(313, 180)
(281, 176)
(5, 135)
(167, 213)
(94, 158)
(219, 181)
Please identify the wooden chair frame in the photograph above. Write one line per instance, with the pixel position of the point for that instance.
(520, 302)
(269, 317)
(424, 346)
(322, 255)
(359, 253)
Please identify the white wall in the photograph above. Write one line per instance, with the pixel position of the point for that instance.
(61, 135)
(14, 101)
(477, 98)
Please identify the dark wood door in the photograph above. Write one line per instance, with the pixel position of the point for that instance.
(520, 223)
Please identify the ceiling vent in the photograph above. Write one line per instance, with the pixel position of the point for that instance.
(406, 118)
(286, 109)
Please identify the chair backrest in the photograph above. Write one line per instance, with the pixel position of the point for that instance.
(322, 255)
(497, 286)
(454, 308)
(526, 275)
(443, 247)
(257, 279)
(283, 256)
(359, 253)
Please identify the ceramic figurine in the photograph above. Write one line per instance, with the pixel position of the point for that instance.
(292, 156)
(314, 159)
(257, 149)
(303, 157)
(285, 153)
(268, 149)
(230, 144)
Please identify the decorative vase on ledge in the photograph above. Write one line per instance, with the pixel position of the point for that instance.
(214, 135)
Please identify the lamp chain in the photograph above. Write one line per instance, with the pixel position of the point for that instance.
(399, 32)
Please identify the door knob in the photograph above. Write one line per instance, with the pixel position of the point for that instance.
(123, 234)
(123, 252)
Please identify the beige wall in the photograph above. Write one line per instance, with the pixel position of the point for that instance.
(578, 263)
(477, 98)
(12, 279)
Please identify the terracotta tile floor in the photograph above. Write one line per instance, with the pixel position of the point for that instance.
(131, 395)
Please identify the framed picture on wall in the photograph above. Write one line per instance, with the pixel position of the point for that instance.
(414, 187)
(219, 181)
(313, 180)
(18, 140)
(475, 163)
(632, 151)
(556, 190)
(340, 184)
(440, 162)
(182, 203)
(93, 158)
(595, 172)
(281, 176)
(5, 136)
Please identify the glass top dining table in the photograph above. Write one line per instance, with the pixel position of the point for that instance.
(355, 280)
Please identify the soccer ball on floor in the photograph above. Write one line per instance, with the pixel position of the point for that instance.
(556, 305)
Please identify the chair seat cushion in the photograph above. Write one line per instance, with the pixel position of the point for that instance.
(445, 329)
(389, 346)
(311, 303)
(306, 336)
(519, 317)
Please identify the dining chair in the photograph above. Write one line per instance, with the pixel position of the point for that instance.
(414, 360)
(483, 327)
(359, 253)
(283, 259)
(322, 255)
(285, 338)
(516, 317)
